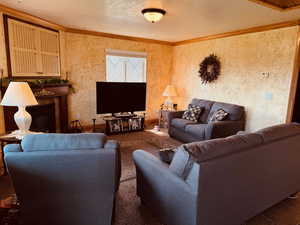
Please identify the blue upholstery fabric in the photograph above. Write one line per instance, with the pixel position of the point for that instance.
(196, 130)
(185, 132)
(239, 177)
(62, 142)
(58, 187)
(236, 112)
(181, 123)
(180, 163)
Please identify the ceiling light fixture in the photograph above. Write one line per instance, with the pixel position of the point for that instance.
(153, 14)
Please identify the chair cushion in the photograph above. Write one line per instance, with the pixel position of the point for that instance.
(235, 111)
(196, 130)
(61, 142)
(181, 163)
(205, 150)
(181, 123)
(192, 113)
(206, 105)
(279, 131)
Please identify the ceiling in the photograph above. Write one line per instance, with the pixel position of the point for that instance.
(185, 19)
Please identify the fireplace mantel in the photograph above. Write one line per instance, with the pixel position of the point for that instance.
(49, 92)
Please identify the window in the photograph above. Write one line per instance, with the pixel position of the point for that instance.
(123, 66)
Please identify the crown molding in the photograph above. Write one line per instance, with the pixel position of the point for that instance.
(240, 32)
(30, 18)
(272, 6)
(116, 36)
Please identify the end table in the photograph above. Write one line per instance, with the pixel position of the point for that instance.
(4, 141)
(163, 118)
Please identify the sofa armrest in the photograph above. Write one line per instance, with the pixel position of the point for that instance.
(172, 115)
(12, 148)
(159, 188)
(115, 145)
(222, 129)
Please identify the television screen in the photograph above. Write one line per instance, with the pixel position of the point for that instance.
(116, 97)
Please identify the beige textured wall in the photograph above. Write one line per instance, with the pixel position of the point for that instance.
(85, 57)
(244, 58)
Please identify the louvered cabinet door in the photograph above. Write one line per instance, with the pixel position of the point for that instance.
(50, 53)
(23, 49)
(34, 51)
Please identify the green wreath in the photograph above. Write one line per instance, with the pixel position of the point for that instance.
(210, 69)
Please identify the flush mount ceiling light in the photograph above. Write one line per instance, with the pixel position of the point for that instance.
(153, 14)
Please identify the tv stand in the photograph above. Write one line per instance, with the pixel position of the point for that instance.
(123, 115)
(124, 123)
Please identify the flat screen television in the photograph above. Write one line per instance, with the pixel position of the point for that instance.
(116, 97)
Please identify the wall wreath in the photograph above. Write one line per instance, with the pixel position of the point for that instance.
(210, 69)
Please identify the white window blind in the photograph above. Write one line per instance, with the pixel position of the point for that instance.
(125, 66)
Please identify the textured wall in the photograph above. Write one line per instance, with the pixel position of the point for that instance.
(85, 57)
(244, 58)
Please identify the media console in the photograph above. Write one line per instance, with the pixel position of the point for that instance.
(123, 124)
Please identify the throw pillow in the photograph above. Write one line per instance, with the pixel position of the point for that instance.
(166, 155)
(219, 115)
(192, 113)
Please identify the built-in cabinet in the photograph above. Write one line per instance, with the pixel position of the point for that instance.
(33, 51)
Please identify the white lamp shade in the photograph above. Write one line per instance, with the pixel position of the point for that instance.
(18, 94)
(170, 91)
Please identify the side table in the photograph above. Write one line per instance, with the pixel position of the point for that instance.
(163, 118)
(4, 141)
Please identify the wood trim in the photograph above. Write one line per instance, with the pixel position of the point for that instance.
(240, 32)
(30, 18)
(116, 36)
(294, 81)
(271, 6)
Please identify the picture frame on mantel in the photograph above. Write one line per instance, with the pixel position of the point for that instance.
(32, 50)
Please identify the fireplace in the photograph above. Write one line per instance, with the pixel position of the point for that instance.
(50, 116)
(43, 118)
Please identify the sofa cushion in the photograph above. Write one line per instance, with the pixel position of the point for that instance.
(181, 123)
(61, 142)
(181, 163)
(196, 130)
(205, 150)
(235, 111)
(192, 113)
(218, 115)
(206, 105)
(279, 131)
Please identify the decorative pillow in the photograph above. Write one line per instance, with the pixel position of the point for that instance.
(166, 155)
(218, 115)
(192, 113)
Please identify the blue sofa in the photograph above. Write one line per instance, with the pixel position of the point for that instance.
(224, 181)
(63, 179)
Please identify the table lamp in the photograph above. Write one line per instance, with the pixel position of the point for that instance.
(169, 92)
(19, 94)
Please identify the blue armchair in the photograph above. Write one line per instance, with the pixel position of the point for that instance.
(65, 178)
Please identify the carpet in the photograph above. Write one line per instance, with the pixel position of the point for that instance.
(149, 141)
